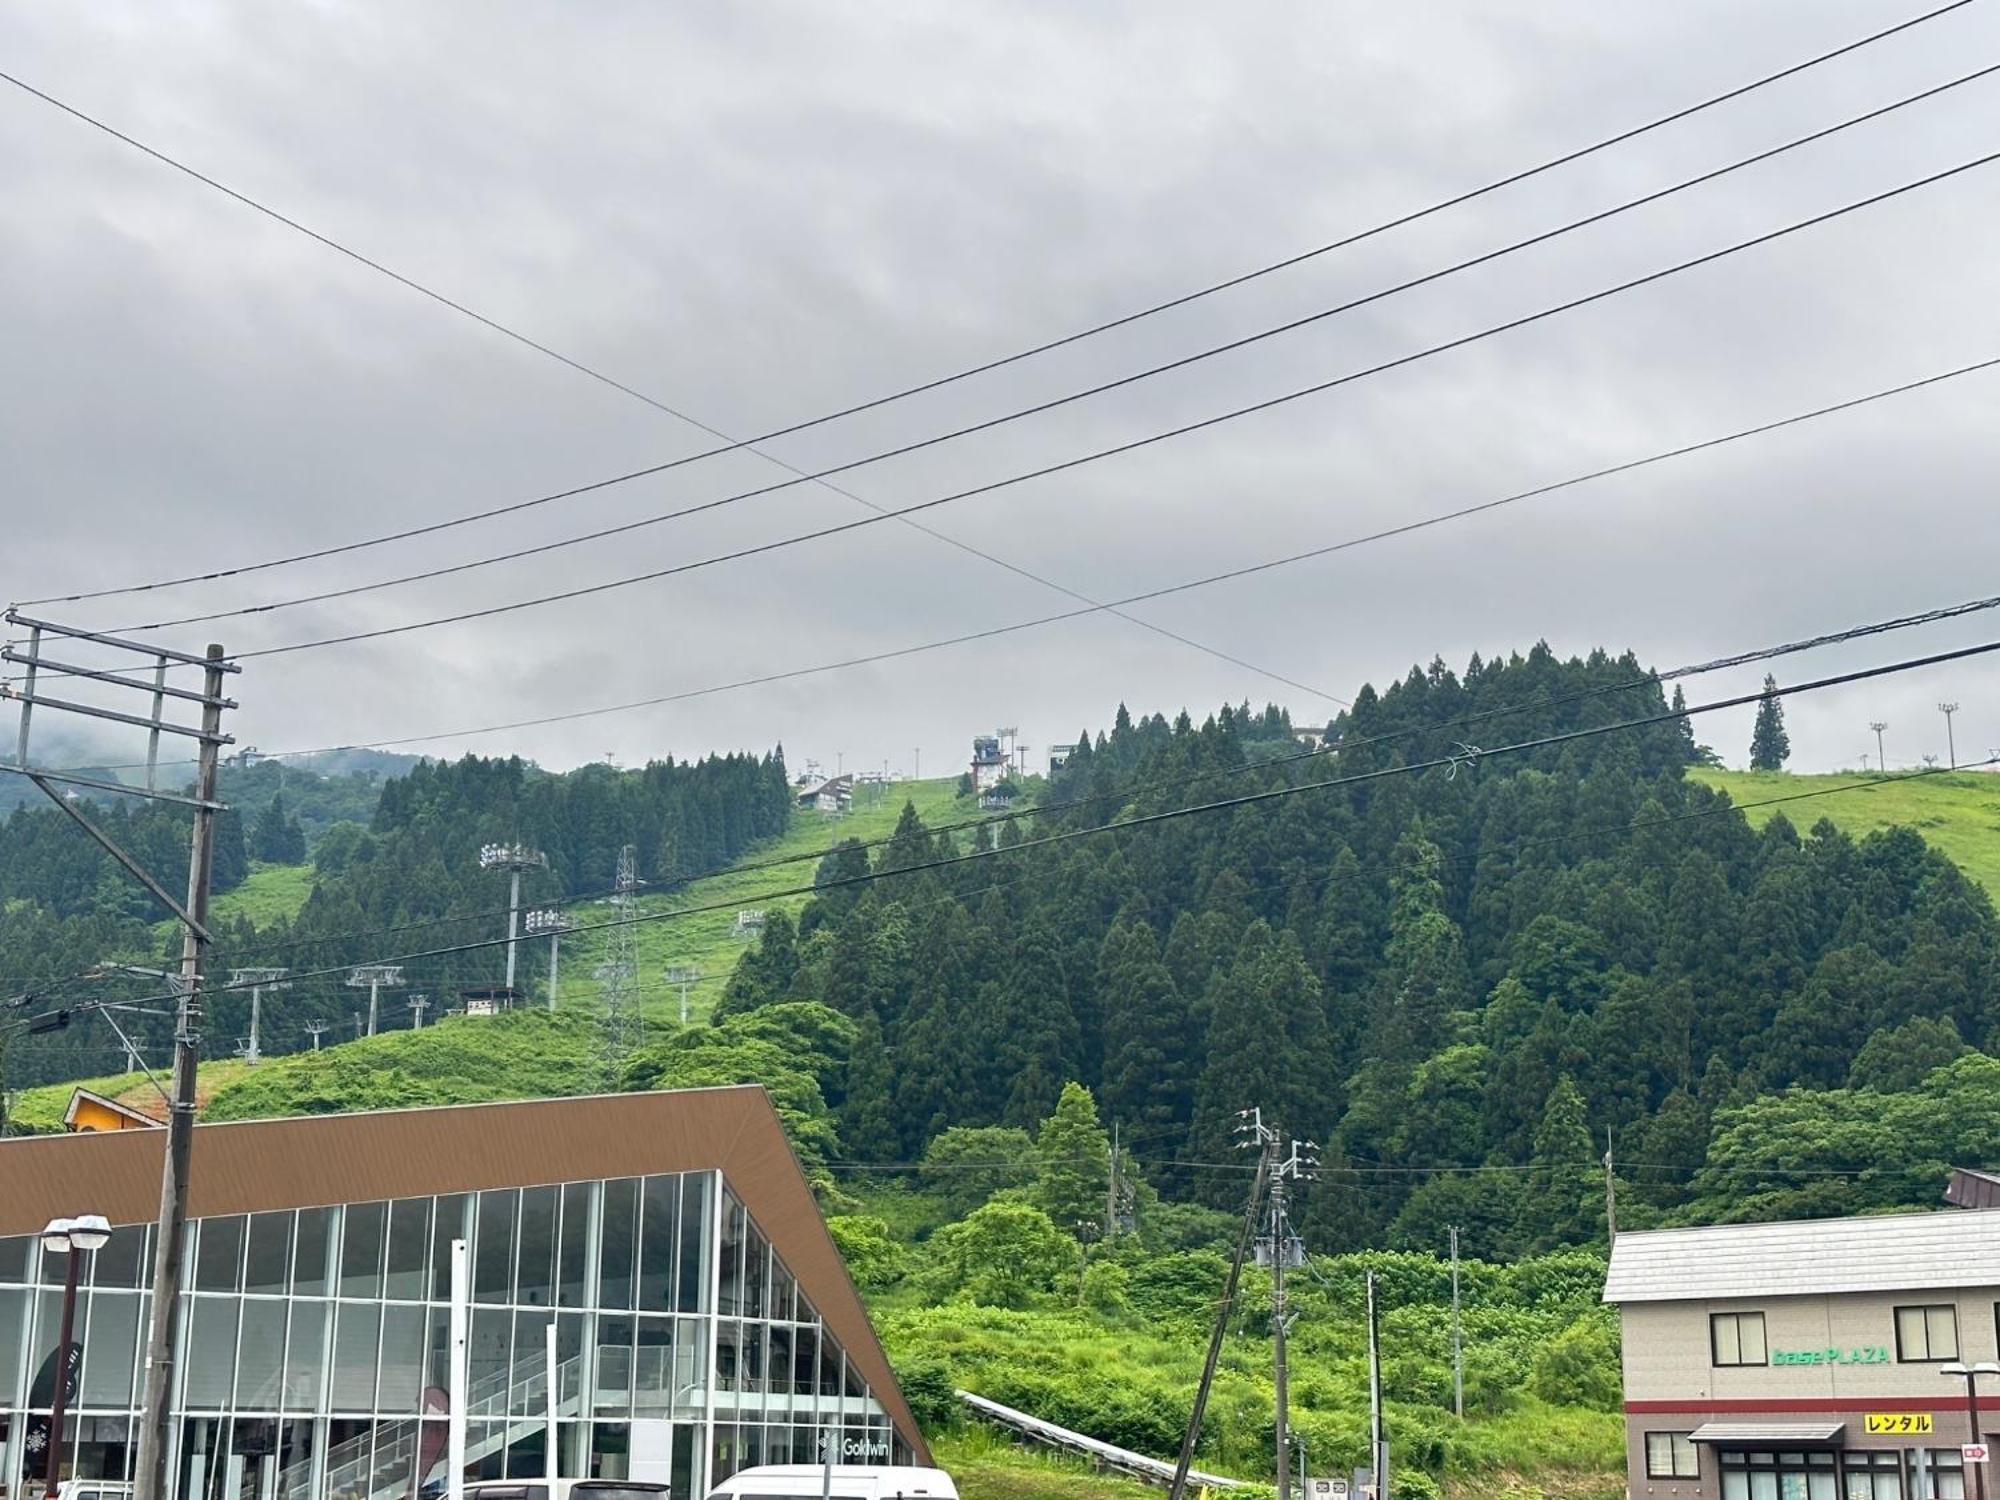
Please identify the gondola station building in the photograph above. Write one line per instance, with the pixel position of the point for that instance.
(1827, 1359)
(703, 1320)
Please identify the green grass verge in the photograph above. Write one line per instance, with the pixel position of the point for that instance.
(1958, 814)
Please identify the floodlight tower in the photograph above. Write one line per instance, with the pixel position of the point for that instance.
(259, 981)
(1951, 744)
(555, 925)
(375, 978)
(1881, 756)
(513, 858)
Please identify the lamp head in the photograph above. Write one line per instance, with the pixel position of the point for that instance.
(1986, 1367)
(89, 1232)
(55, 1238)
(1954, 1368)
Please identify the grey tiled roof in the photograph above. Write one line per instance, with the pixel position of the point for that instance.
(1896, 1252)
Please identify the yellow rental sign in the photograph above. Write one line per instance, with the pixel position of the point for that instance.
(1903, 1423)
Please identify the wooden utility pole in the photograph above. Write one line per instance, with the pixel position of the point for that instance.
(1280, 1246)
(1178, 1490)
(1457, 1349)
(1610, 1191)
(169, 1246)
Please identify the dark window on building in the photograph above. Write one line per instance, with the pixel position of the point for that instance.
(1874, 1474)
(1736, 1338)
(1927, 1334)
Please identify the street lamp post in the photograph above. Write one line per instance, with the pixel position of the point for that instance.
(69, 1237)
(1970, 1375)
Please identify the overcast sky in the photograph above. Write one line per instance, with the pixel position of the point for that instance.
(756, 213)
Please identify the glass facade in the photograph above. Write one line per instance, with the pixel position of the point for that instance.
(314, 1347)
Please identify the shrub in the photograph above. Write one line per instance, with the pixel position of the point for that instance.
(873, 1259)
(1579, 1366)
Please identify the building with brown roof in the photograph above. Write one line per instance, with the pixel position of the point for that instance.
(704, 1321)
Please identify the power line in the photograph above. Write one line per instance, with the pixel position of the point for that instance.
(1179, 300)
(1228, 575)
(1039, 408)
(1079, 461)
(1127, 792)
(1465, 756)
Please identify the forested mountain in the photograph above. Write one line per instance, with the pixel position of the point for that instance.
(1484, 965)
(412, 865)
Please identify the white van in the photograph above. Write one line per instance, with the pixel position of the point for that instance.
(850, 1482)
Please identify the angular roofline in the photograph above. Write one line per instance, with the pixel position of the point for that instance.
(1805, 1257)
(310, 1161)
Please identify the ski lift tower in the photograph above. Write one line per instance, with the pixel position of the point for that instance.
(686, 976)
(375, 978)
(259, 981)
(514, 859)
(553, 925)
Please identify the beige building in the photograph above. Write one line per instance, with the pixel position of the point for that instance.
(1818, 1360)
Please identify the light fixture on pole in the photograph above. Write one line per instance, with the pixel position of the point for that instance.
(513, 858)
(686, 976)
(74, 1238)
(1950, 742)
(1970, 1375)
(554, 925)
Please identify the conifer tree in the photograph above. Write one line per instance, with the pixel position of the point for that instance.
(868, 1114)
(1556, 1205)
(1770, 746)
(1149, 1046)
(1072, 1161)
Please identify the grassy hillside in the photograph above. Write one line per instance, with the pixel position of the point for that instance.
(1957, 814)
(527, 1054)
(706, 940)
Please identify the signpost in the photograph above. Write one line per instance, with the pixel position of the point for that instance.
(1973, 1453)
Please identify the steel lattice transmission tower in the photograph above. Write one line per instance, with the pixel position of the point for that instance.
(619, 973)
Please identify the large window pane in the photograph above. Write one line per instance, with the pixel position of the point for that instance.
(14, 1258)
(309, 1252)
(756, 1274)
(615, 1257)
(270, 1254)
(528, 1394)
(782, 1288)
(219, 1255)
(729, 1270)
(805, 1368)
(400, 1392)
(534, 1284)
(493, 1259)
(573, 1287)
(613, 1397)
(489, 1347)
(409, 1250)
(121, 1263)
(305, 1357)
(361, 1250)
(209, 1368)
(109, 1348)
(697, 1204)
(653, 1368)
(357, 1339)
(261, 1358)
(659, 1236)
(447, 1225)
(13, 1329)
